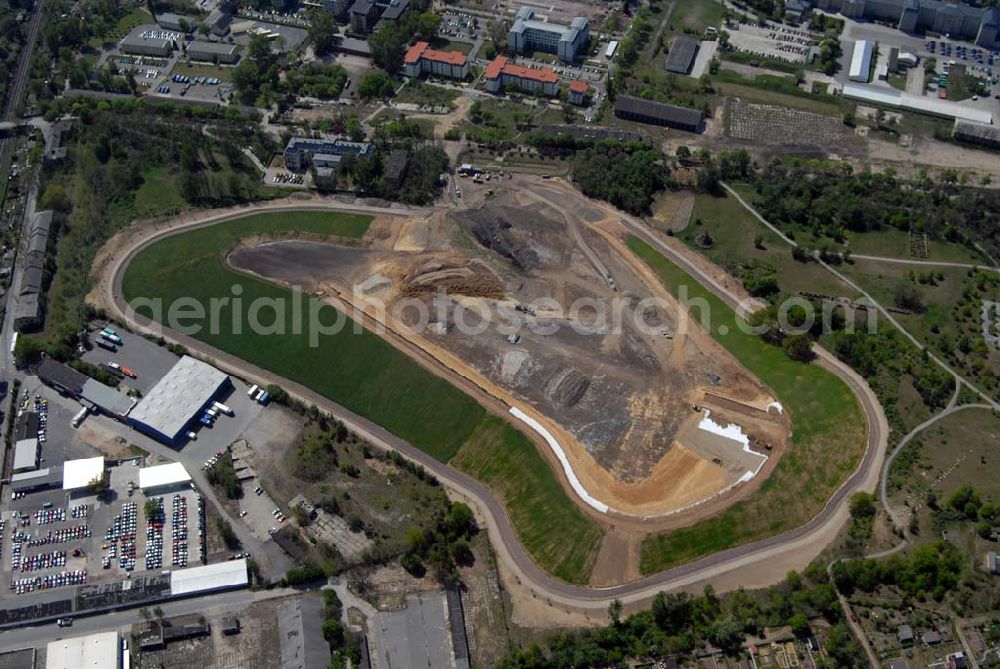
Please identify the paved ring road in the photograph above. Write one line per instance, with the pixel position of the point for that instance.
(739, 565)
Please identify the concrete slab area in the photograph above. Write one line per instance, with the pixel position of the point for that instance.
(418, 636)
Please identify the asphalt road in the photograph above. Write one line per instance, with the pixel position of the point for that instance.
(767, 554)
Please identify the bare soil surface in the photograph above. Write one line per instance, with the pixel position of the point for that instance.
(545, 311)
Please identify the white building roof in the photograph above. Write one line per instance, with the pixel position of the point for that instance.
(178, 396)
(228, 574)
(918, 103)
(161, 475)
(861, 61)
(100, 650)
(80, 473)
(26, 454)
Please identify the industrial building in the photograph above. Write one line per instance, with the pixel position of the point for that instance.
(300, 633)
(39, 479)
(27, 455)
(861, 61)
(101, 649)
(421, 59)
(977, 24)
(162, 479)
(177, 400)
(228, 575)
(528, 35)
(502, 74)
(323, 154)
(213, 52)
(149, 41)
(91, 393)
(680, 60)
(79, 474)
(658, 113)
(977, 133)
(890, 97)
(28, 311)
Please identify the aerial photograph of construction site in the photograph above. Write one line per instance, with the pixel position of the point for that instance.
(653, 420)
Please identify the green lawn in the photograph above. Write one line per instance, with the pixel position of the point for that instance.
(892, 243)
(442, 44)
(365, 374)
(696, 15)
(421, 93)
(828, 439)
(204, 70)
(563, 539)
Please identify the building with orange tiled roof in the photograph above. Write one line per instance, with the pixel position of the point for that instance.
(501, 74)
(578, 92)
(421, 59)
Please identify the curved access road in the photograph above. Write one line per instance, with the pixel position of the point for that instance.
(754, 564)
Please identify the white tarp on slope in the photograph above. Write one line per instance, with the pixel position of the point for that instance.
(574, 482)
(735, 433)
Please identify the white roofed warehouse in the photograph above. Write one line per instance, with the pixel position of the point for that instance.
(78, 474)
(161, 479)
(177, 401)
(101, 650)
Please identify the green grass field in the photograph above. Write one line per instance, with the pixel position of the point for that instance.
(204, 70)
(828, 438)
(158, 194)
(696, 15)
(367, 375)
(506, 461)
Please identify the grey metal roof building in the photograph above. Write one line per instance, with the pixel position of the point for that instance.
(395, 9)
(26, 455)
(64, 379)
(213, 52)
(172, 21)
(107, 399)
(682, 54)
(300, 633)
(657, 113)
(37, 479)
(177, 399)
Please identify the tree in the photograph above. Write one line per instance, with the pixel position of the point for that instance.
(798, 347)
(800, 625)
(615, 612)
(862, 505)
(333, 632)
(323, 32)
(377, 84)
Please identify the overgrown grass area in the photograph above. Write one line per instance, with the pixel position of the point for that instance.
(159, 193)
(420, 93)
(696, 15)
(204, 70)
(766, 91)
(368, 376)
(828, 438)
(560, 537)
(737, 237)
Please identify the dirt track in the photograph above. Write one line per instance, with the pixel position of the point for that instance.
(757, 564)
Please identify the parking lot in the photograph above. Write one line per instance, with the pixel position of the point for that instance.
(54, 538)
(773, 41)
(148, 360)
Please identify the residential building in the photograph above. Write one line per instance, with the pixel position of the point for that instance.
(394, 10)
(183, 24)
(991, 563)
(931, 638)
(218, 22)
(904, 634)
(680, 60)
(363, 15)
(502, 74)
(578, 92)
(214, 52)
(149, 41)
(28, 310)
(528, 35)
(395, 169)
(959, 21)
(421, 59)
(301, 152)
(658, 113)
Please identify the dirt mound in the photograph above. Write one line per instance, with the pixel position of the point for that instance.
(492, 229)
(436, 277)
(569, 388)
